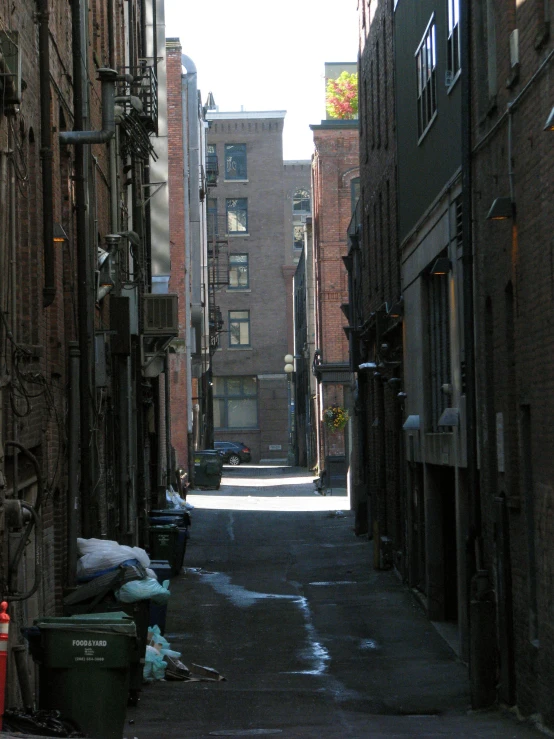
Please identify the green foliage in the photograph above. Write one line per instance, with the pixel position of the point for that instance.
(335, 418)
(342, 96)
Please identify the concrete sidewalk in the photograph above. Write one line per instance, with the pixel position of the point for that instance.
(280, 597)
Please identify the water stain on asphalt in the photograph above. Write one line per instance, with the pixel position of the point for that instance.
(315, 653)
(336, 582)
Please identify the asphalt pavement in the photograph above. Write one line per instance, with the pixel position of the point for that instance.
(280, 598)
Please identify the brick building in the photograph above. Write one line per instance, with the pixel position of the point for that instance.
(335, 181)
(255, 203)
(428, 135)
(79, 390)
(512, 159)
(470, 198)
(194, 265)
(376, 307)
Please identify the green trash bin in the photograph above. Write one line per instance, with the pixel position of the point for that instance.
(208, 466)
(84, 669)
(164, 544)
(140, 613)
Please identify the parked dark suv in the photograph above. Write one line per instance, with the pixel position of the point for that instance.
(234, 452)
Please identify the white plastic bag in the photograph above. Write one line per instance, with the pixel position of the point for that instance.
(174, 499)
(147, 588)
(104, 554)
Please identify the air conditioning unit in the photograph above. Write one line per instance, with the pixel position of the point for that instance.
(10, 71)
(160, 314)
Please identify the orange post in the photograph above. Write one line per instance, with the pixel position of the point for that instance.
(4, 633)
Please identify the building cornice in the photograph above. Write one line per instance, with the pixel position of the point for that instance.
(213, 115)
(334, 125)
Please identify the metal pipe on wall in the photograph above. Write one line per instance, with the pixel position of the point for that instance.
(107, 77)
(481, 607)
(86, 356)
(186, 218)
(3, 225)
(167, 399)
(49, 289)
(194, 183)
(13, 297)
(123, 447)
(73, 464)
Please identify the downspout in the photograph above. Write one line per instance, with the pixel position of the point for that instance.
(194, 186)
(73, 464)
(167, 400)
(188, 260)
(12, 206)
(111, 34)
(82, 280)
(3, 231)
(481, 608)
(186, 211)
(49, 289)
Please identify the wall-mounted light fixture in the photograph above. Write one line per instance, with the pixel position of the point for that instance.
(397, 309)
(59, 235)
(501, 210)
(549, 125)
(442, 266)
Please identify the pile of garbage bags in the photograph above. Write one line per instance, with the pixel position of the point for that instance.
(164, 663)
(175, 501)
(102, 556)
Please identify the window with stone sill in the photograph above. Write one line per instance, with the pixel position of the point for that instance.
(239, 278)
(239, 328)
(237, 215)
(235, 162)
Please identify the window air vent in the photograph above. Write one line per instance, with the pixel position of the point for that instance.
(160, 315)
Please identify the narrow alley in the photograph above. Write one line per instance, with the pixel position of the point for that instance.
(279, 596)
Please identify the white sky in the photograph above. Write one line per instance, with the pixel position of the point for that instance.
(267, 56)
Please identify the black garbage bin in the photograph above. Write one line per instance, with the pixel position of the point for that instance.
(84, 666)
(164, 544)
(208, 466)
(182, 537)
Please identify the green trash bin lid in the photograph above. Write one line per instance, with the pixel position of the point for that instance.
(114, 622)
(91, 640)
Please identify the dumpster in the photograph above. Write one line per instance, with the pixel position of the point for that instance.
(84, 663)
(208, 465)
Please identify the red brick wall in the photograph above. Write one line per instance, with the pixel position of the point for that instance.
(335, 166)
(515, 333)
(381, 411)
(179, 368)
